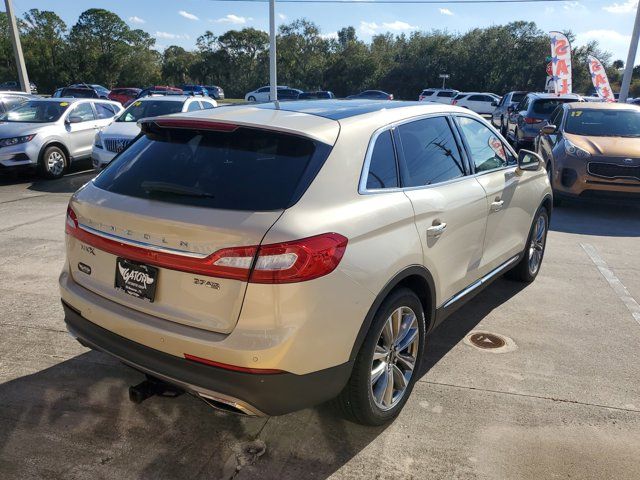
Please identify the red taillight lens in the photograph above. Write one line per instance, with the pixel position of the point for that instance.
(420, 98)
(299, 260)
(454, 102)
(286, 262)
(532, 121)
(72, 221)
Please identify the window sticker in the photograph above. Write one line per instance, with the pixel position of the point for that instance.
(576, 113)
(137, 104)
(64, 104)
(497, 147)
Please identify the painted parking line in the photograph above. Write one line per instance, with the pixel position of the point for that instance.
(614, 282)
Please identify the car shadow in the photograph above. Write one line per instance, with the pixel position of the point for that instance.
(601, 218)
(456, 327)
(74, 420)
(78, 174)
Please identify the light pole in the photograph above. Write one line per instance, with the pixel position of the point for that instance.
(444, 77)
(631, 58)
(273, 77)
(17, 48)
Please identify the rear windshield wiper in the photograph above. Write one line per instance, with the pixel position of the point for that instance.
(173, 189)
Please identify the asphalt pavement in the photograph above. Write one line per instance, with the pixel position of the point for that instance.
(561, 400)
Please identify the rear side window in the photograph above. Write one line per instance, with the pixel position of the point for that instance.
(246, 169)
(427, 92)
(193, 106)
(477, 98)
(446, 94)
(382, 167)
(431, 154)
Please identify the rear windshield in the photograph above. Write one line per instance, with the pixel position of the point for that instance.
(79, 93)
(517, 97)
(548, 105)
(604, 123)
(247, 169)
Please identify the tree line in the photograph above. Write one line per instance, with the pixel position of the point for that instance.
(101, 48)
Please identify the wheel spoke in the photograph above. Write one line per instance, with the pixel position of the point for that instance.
(387, 400)
(396, 322)
(377, 372)
(399, 380)
(407, 362)
(380, 353)
(409, 337)
(387, 333)
(408, 321)
(380, 387)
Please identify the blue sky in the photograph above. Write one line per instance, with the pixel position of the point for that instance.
(180, 23)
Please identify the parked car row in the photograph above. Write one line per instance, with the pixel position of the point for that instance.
(263, 94)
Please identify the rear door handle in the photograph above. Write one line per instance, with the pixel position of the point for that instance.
(497, 205)
(436, 230)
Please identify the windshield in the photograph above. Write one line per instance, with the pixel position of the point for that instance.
(604, 123)
(517, 97)
(246, 169)
(36, 111)
(149, 108)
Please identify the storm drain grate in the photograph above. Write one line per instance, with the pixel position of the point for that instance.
(487, 340)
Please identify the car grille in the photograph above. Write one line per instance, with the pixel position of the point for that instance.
(610, 170)
(116, 145)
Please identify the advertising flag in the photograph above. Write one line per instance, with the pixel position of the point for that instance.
(600, 80)
(560, 63)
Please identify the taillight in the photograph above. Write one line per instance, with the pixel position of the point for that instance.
(286, 262)
(454, 102)
(72, 221)
(299, 260)
(391, 96)
(531, 121)
(420, 98)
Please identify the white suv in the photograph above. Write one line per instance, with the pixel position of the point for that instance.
(437, 95)
(268, 259)
(482, 103)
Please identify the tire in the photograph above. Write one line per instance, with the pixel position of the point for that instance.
(53, 162)
(503, 128)
(357, 401)
(252, 98)
(516, 142)
(535, 246)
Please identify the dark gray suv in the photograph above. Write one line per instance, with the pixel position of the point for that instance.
(503, 108)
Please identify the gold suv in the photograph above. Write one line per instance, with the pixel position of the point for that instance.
(268, 259)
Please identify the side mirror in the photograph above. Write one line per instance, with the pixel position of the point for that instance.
(494, 104)
(529, 161)
(74, 119)
(549, 129)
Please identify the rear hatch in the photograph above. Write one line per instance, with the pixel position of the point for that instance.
(152, 231)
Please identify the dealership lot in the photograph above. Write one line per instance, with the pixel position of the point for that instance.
(563, 401)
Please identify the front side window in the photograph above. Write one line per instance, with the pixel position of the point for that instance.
(556, 116)
(486, 149)
(382, 167)
(430, 152)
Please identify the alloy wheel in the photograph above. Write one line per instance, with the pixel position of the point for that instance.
(536, 247)
(394, 358)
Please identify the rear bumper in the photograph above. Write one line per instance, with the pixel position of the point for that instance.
(253, 394)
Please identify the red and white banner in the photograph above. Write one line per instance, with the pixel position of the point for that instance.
(600, 80)
(560, 63)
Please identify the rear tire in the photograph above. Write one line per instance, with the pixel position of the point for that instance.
(252, 98)
(390, 354)
(528, 267)
(53, 162)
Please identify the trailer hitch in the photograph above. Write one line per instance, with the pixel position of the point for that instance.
(150, 387)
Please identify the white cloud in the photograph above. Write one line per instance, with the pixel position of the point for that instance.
(282, 16)
(187, 15)
(371, 28)
(137, 20)
(609, 40)
(549, 10)
(172, 36)
(446, 11)
(626, 7)
(234, 19)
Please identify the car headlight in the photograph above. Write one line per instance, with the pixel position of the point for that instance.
(97, 141)
(8, 142)
(574, 150)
